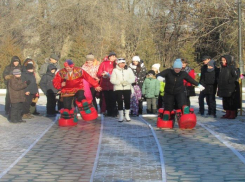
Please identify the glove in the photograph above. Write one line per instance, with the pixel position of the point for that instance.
(161, 79)
(28, 82)
(201, 87)
(124, 83)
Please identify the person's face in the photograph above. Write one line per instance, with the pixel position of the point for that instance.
(154, 69)
(223, 61)
(205, 62)
(16, 63)
(112, 58)
(135, 63)
(68, 69)
(53, 70)
(177, 70)
(90, 62)
(121, 65)
(184, 65)
(53, 61)
(17, 76)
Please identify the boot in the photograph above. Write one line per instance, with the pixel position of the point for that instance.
(120, 116)
(227, 114)
(127, 115)
(166, 115)
(154, 111)
(148, 111)
(232, 115)
(26, 116)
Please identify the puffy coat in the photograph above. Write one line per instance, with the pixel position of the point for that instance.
(151, 87)
(107, 66)
(16, 89)
(32, 87)
(122, 74)
(46, 83)
(35, 68)
(227, 78)
(174, 81)
(140, 74)
(9, 69)
(74, 82)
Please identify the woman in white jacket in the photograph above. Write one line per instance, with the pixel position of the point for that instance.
(122, 78)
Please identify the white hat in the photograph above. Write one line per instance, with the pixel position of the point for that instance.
(156, 66)
(121, 60)
(136, 58)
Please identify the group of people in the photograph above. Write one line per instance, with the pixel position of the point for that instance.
(121, 87)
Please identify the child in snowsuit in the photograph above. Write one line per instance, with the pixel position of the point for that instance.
(150, 90)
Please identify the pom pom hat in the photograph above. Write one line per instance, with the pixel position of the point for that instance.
(177, 63)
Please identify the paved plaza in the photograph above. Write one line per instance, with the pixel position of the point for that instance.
(108, 151)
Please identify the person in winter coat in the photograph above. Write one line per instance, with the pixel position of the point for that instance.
(7, 73)
(189, 88)
(31, 90)
(175, 97)
(209, 81)
(33, 109)
(92, 69)
(46, 84)
(104, 74)
(53, 59)
(226, 86)
(150, 91)
(122, 78)
(17, 96)
(139, 70)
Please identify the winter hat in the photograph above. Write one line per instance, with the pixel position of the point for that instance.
(121, 60)
(16, 72)
(151, 72)
(211, 63)
(55, 57)
(90, 57)
(111, 54)
(136, 58)
(205, 57)
(69, 63)
(156, 66)
(29, 66)
(177, 63)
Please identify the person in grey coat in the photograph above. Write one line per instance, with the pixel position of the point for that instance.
(53, 59)
(46, 84)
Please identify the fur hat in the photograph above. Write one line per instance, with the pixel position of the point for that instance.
(156, 66)
(177, 63)
(136, 58)
(16, 72)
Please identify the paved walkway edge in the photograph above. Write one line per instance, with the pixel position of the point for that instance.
(238, 154)
(98, 150)
(164, 176)
(27, 150)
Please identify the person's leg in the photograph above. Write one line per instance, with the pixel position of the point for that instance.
(213, 105)
(51, 104)
(93, 92)
(67, 102)
(148, 102)
(154, 105)
(201, 102)
(27, 104)
(20, 110)
(14, 113)
(127, 95)
(7, 102)
(107, 101)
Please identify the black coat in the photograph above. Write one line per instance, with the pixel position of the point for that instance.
(46, 83)
(32, 87)
(227, 78)
(174, 81)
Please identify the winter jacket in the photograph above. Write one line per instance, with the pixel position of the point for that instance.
(16, 89)
(35, 68)
(107, 66)
(44, 67)
(227, 78)
(151, 87)
(74, 82)
(46, 83)
(32, 87)
(162, 88)
(174, 81)
(9, 69)
(119, 75)
(140, 74)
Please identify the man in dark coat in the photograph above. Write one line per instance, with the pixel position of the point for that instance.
(226, 86)
(48, 89)
(53, 59)
(7, 73)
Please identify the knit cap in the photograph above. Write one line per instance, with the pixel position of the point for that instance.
(121, 60)
(69, 63)
(177, 63)
(156, 66)
(136, 58)
(211, 63)
(16, 72)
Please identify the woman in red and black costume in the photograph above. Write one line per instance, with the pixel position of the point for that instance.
(69, 81)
